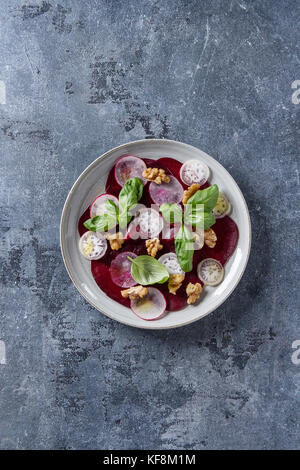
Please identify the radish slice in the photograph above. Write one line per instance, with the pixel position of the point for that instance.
(120, 270)
(194, 171)
(98, 207)
(127, 167)
(171, 192)
(170, 262)
(222, 208)
(148, 223)
(210, 271)
(92, 245)
(151, 307)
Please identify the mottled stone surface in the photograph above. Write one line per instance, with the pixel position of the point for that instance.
(78, 78)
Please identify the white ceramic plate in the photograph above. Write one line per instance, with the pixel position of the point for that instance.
(92, 183)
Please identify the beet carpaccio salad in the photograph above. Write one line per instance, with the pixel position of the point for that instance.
(158, 235)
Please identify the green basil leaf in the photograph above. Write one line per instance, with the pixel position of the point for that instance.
(124, 219)
(146, 270)
(184, 247)
(111, 208)
(172, 213)
(209, 220)
(195, 216)
(129, 195)
(100, 223)
(208, 197)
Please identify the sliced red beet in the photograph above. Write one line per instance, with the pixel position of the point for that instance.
(112, 187)
(171, 165)
(227, 237)
(225, 228)
(178, 301)
(85, 216)
(101, 274)
(120, 270)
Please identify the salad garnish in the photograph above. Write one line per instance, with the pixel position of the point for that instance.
(172, 213)
(184, 247)
(198, 215)
(129, 196)
(208, 197)
(179, 223)
(146, 270)
(100, 223)
(193, 292)
(175, 282)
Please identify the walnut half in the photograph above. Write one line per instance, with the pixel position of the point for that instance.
(116, 240)
(175, 282)
(193, 291)
(136, 292)
(210, 238)
(189, 192)
(157, 175)
(153, 245)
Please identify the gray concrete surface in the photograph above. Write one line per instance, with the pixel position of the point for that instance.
(78, 78)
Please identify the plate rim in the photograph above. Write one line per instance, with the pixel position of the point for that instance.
(107, 154)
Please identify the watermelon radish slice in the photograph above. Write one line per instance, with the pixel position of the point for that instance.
(194, 171)
(128, 167)
(210, 271)
(92, 245)
(170, 262)
(120, 270)
(148, 223)
(222, 208)
(98, 207)
(151, 307)
(171, 192)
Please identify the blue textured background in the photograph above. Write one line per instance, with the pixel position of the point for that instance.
(82, 77)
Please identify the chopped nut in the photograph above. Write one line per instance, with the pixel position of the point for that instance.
(193, 292)
(210, 238)
(175, 282)
(136, 292)
(157, 175)
(116, 240)
(153, 245)
(189, 192)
